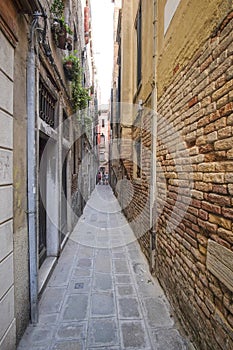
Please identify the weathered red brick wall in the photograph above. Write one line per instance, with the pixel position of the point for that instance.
(195, 187)
(134, 198)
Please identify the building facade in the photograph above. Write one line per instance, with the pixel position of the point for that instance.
(175, 70)
(45, 146)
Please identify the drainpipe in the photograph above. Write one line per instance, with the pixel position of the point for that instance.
(31, 173)
(153, 179)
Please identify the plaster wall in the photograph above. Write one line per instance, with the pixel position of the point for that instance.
(7, 322)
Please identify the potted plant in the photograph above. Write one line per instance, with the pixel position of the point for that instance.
(71, 65)
(59, 27)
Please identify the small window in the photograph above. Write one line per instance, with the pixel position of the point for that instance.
(46, 105)
(103, 123)
(137, 161)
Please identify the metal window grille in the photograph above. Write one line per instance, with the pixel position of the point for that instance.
(46, 105)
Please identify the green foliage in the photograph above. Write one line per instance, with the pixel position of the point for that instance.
(80, 95)
(74, 59)
(65, 25)
(57, 8)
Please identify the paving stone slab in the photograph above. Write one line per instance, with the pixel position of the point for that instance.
(69, 345)
(148, 287)
(157, 313)
(48, 319)
(83, 272)
(102, 304)
(34, 347)
(129, 308)
(103, 265)
(84, 262)
(102, 282)
(103, 332)
(36, 336)
(52, 300)
(134, 336)
(85, 252)
(125, 290)
(79, 285)
(75, 308)
(119, 255)
(71, 330)
(103, 253)
(168, 339)
(123, 279)
(121, 266)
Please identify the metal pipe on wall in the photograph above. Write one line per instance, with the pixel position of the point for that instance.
(31, 174)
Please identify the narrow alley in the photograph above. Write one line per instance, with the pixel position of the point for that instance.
(116, 174)
(101, 294)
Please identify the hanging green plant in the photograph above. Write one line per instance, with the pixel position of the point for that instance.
(80, 95)
(71, 65)
(61, 30)
(57, 8)
(73, 71)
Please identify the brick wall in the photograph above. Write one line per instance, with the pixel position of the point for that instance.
(195, 187)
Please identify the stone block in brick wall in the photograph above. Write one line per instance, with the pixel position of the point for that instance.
(222, 101)
(226, 110)
(230, 154)
(224, 144)
(225, 223)
(214, 177)
(218, 199)
(223, 90)
(226, 166)
(221, 69)
(211, 207)
(228, 213)
(220, 189)
(229, 178)
(220, 264)
(225, 132)
(215, 125)
(226, 235)
(206, 167)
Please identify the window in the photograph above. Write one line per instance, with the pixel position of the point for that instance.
(102, 156)
(138, 146)
(46, 105)
(103, 123)
(139, 44)
(102, 140)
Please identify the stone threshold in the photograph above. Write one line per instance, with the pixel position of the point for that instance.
(45, 272)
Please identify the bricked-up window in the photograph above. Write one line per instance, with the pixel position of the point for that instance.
(138, 147)
(139, 44)
(47, 105)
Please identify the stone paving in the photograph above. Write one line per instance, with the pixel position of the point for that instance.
(101, 294)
